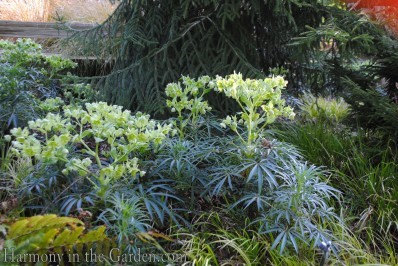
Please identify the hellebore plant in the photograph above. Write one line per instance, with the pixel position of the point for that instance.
(189, 99)
(101, 133)
(260, 102)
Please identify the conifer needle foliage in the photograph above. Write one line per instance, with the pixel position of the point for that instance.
(153, 43)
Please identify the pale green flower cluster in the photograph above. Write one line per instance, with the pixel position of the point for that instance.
(320, 108)
(260, 101)
(25, 145)
(51, 123)
(188, 97)
(50, 139)
(52, 104)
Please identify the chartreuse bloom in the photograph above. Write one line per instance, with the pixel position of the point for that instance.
(103, 134)
(186, 98)
(323, 109)
(260, 101)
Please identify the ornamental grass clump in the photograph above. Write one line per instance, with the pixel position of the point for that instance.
(260, 102)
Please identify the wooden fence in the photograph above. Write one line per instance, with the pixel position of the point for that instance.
(38, 30)
(42, 30)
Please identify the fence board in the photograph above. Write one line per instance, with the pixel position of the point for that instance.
(40, 30)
